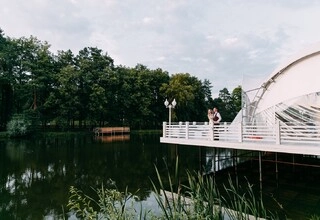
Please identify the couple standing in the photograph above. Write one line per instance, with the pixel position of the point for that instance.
(214, 120)
(214, 116)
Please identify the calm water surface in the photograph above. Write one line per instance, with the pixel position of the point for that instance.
(35, 175)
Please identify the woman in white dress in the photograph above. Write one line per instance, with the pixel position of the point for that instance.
(210, 117)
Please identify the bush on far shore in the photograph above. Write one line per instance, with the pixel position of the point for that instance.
(22, 125)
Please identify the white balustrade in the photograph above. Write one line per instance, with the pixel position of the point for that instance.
(279, 133)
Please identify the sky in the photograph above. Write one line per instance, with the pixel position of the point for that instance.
(228, 42)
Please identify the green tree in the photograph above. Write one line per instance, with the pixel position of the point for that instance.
(6, 80)
(92, 64)
(158, 77)
(27, 68)
(228, 104)
(26, 50)
(190, 94)
(138, 97)
(42, 80)
(88, 88)
(65, 99)
(64, 72)
(146, 97)
(236, 97)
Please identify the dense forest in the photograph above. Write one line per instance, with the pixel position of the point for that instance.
(67, 90)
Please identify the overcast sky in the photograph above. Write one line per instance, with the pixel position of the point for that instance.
(228, 42)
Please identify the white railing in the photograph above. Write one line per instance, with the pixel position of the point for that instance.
(279, 133)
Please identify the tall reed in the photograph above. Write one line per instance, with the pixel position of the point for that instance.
(109, 204)
(197, 199)
(201, 199)
(241, 203)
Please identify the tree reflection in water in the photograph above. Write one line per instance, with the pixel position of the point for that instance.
(35, 175)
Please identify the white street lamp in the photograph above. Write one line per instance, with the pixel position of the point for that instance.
(170, 106)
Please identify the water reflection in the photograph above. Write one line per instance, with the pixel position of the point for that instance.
(112, 138)
(35, 175)
(220, 158)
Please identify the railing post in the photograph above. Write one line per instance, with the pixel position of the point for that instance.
(277, 132)
(225, 129)
(187, 130)
(211, 132)
(240, 132)
(164, 124)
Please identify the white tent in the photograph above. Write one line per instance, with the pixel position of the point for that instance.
(290, 94)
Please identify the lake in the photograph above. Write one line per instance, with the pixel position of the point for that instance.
(35, 175)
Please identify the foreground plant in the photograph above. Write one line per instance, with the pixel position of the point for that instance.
(204, 195)
(315, 217)
(243, 204)
(202, 199)
(171, 202)
(110, 204)
(198, 199)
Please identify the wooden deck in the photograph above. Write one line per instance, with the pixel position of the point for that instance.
(100, 131)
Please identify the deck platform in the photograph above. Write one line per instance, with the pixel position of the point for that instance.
(265, 138)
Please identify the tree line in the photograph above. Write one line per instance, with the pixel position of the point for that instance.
(87, 89)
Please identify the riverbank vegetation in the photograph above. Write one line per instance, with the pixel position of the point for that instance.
(201, 197)
(65, 91)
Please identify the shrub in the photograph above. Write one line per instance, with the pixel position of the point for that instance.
(109, 203)
(22, 124)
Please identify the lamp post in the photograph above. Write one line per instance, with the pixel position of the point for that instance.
(170, 106)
